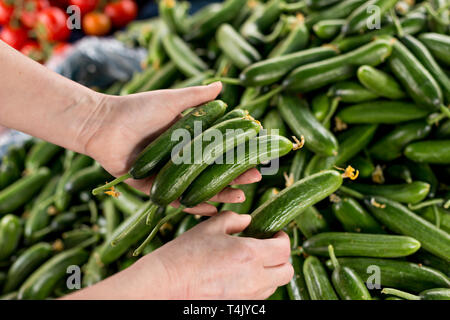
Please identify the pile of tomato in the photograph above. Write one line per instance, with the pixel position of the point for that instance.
(38, 28)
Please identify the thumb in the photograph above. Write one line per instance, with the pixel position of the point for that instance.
(182, 99)
(229, 222)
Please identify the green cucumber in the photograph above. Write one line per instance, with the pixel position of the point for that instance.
(327, 29)
(351, 92)
(361, 245)
(275, 214)
(380, 82)
(346, 282)
(42, 281)
(217, 176)
(10, 235)
(385, 112)
(438, 44)
(25, 264)
(21, 191)
(274, 124)
(413, 192)
(235, 47)
(301, 121)
(396, 273)
(296, 40)
(435, 152)
(400, 219)
(176, 176)
(40, 155)
(296, 287)
(311, 222)
(391, 146)
(354, 218)
(431, 294)
(316, 278)
(127, 202)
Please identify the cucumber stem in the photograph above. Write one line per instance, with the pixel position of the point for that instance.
(261, 99)
(351, 192)
(425, 204)
(155, 230)
(111, 184)
(397, 24)
(400, 294)
(333, 258)
(279, 27)
(445, 110)
(333, 107)
(146, 209)
(232, 81)
(437, 217)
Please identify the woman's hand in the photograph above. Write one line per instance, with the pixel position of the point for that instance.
(127, 124)
(206, 262)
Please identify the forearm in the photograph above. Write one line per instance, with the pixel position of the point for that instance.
(39, 102)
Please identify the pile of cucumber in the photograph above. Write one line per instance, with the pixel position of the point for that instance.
(360, 109)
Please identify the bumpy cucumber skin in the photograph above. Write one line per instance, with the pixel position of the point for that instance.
(397, 274)
(349, 285)
(399, 219)
(316, 75)
(271, 70)
(25, 264)
(406, 193)
(159, 150)
(296, 114)
(275, 214)
(434, 152)
(174, 179)
(383, 112)
(10, 234)
(435, 294)
(42, 281)
(296, 288)
(235, 47)
(21, 191)
(391, 145)
(216, 177)
(354, 218)
(361, 244)
(316, 278)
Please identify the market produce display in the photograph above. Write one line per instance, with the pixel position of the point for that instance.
(357, 119)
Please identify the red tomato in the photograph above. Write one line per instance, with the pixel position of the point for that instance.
(33, 50)
(6, 12)
(96, 24)
(59, 3)
(52, 24)
(121, 12)
(61, 47)
(30, 11)
(84, 5)
(15, 37)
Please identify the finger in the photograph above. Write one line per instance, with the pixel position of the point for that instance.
(229, 222)
(182, 99)
(276, 251)
(203, 209)
(143, 185)
(250, 176)
(229, 195)
(280, 275)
